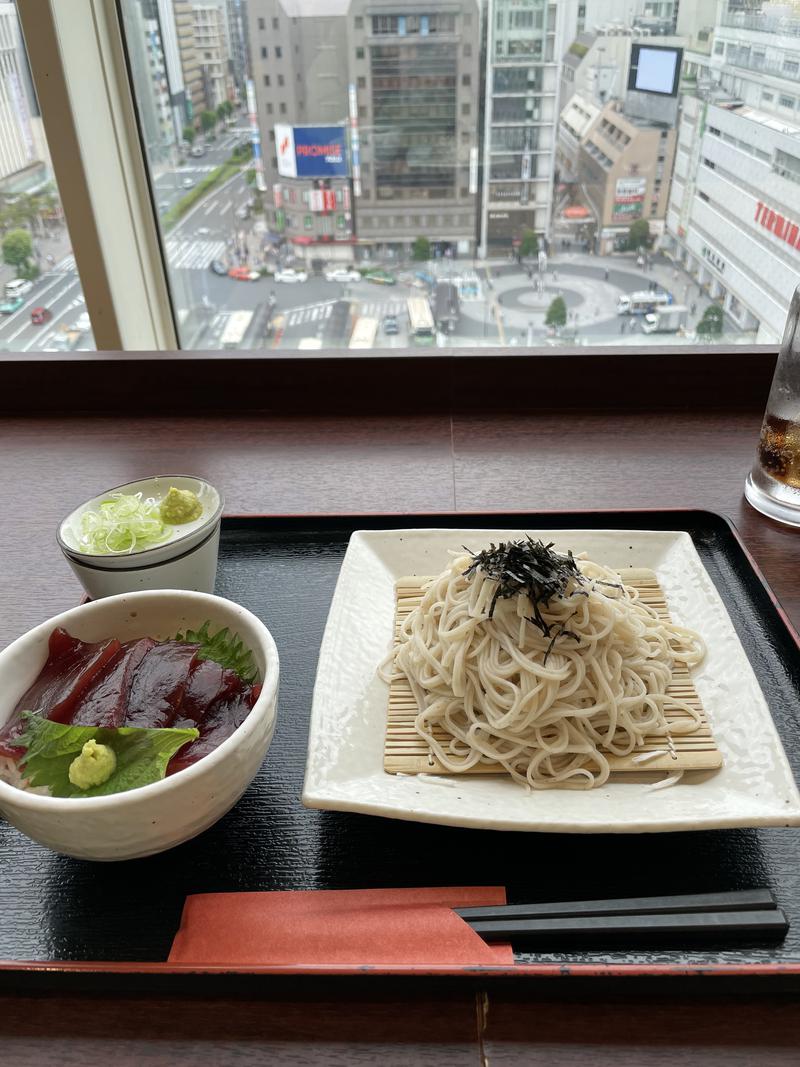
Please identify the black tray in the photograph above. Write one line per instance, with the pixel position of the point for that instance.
(58, 910)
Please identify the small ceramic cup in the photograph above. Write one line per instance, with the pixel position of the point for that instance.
(188, 560)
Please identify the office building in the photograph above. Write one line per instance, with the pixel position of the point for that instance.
(239, 45)
(148, 66)
(404, 80)
(299, 55)
(733, 216)
(524, 47)
(212, 51)
(191, 70)
(24, 159)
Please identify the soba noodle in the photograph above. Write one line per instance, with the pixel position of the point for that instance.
(548, 707)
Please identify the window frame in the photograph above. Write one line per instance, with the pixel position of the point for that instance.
(77, 56)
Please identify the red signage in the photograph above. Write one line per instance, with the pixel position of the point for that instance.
(783, 228)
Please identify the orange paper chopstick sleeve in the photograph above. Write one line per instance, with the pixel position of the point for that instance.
(363, 927)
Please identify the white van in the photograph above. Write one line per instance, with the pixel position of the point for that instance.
(19, 287)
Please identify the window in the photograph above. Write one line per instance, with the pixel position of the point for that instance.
(791, 66)
(719, 48)
(767, 98)
(275, 24)
(262, 25)
(428, 136)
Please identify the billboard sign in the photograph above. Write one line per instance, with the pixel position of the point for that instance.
(629, 199)
(311, 151)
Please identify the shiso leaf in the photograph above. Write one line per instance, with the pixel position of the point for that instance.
(224, 648)
(142, 754)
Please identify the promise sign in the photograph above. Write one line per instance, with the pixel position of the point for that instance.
(311, 151)
(783, 228)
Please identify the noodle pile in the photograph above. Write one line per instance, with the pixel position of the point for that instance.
(548, 706)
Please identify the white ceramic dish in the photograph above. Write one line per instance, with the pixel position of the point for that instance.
(158, 816)
(344, 769)
(186, 560)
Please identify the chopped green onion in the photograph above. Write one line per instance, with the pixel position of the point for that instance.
(122, 524)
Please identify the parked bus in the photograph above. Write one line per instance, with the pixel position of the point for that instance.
(364, 333)
(447, 306)
(235, 328)
(642, 303)
(421, 327)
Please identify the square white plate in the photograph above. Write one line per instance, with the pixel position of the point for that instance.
(344, 769)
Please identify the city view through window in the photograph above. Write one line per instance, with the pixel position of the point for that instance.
(41, 302)
(375, 174)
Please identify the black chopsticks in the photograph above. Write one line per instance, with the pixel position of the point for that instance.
(748, 913)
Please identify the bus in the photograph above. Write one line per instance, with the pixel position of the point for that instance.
(236, 327)
(447, 306)
(364, 333)
(642, 303)
(421, 327)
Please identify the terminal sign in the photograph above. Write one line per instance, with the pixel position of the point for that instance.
(783, 228)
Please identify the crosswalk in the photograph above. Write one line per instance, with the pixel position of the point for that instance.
(312, 313)
(373, 309)
(191, 254)
(318, 313)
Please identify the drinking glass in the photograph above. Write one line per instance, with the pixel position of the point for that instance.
(773, 485)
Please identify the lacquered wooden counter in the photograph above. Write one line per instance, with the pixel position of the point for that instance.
(389, 464)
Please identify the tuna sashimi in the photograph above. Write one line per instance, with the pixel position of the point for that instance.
(208, 682)
(105, 702)
(71, 667)
(156, 692)
(219, 722)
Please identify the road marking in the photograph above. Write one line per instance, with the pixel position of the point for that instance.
(227, 207)
(211, 207)
(191, 254)
(35, 299)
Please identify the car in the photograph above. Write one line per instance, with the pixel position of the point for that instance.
(343, 274)
(243, 212)
(83, 323)
(380, 277)
(12, 304)
(218, 267)
(40, 315)
(289, 274)
(203, 231)
(243, 274)
(198, 150)
(390, 325)
(188, 183)
(163, 206)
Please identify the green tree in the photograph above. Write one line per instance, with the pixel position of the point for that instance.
(421, 249)
(556, 313)
(529, 246)
(222, 111)
(639, 235)
(18, 249)
(189, 134)
(711, 322)
(208, 120)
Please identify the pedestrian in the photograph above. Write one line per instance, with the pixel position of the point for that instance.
(555, 275)
(623, 326)
(693, 307)
(675, 275)
(605, 274)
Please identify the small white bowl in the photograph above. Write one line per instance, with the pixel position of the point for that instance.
(187, 560)
(158, 816)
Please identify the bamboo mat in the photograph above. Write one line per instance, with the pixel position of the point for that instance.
(405, 752)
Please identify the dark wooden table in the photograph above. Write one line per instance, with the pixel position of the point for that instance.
(435, 462)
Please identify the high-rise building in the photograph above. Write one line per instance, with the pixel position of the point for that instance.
(24, 159)
(212, 50)
(299, 57)
(190, 63)
(181, 114)
(148, 65)
(405, 81)
(239, 45)
(525, 43)
(733, 217)
(415, 74)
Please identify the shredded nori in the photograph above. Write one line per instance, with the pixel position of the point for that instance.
(529, 568)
